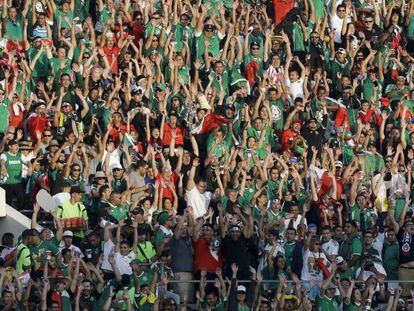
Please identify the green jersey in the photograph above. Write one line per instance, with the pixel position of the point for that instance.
(14, 167)
(323, 303)
(4, 114)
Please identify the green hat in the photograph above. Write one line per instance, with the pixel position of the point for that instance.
(160, 87)
(348, 135)
(163, 217)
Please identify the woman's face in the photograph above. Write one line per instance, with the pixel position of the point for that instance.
(280, 263)
(155, 133)
(357, 295)
(167, 204)
(251, 142)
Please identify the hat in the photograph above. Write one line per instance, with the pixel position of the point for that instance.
(25, 146)
(13, 142)
(297, 120)
(339, 164)
(76, 189)
(163, 217)
(342, 51)
(160, 87)
(65, 1)
(115, 166)
(53, 143)
(339, 260)
(348, 135)
(66, 104)
(68, 233)
(234, 228)
(99, 174)
(62, 278)
(241, 289)
(331, 285)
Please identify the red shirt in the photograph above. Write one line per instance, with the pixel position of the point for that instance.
(166, 192)
(114, 133)
(203, 258)
(37, 123)
(16, 119)
(111, 54)
(287, 137)
(326, 185)
(179, 131)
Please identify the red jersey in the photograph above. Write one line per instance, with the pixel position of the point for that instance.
(204, 258)
(166, 192)
(112, 54)
(179, 131)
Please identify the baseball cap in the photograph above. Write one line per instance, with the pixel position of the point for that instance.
(241, 289)
(341, 51)
(297, 120)
(339, 260)
(68, 233)
(339, 164)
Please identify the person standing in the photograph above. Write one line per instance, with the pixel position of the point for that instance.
(12, 166)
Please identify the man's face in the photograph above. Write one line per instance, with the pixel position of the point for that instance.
(235, 234)
(75, 172)
(349, 229)
(290, 235)
(391, 236)
(340, 12)
(94, 240)
(211, 299)
(219, 68)
(409, 227)
(87, 288)
(47, 137)
(12, 13)
(312, 125)
(272, 95)
(14, 148)
(201, 186)
(46, 234)
(326, 235)
(369, 23)
(207, 232)
(184, 20)
(368, 239)
(65, 80)
(124, 249)
(67, 240)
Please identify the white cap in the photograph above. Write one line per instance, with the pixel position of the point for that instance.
(339, 260)
(68, 233)
(241, 288)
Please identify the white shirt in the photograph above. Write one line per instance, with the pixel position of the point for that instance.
(295, 222)
(109, 248)
(122, 262)
(336, 25)
(331, 247)
(198, 201)
(296, 88)
(315, 273)
(76, 251)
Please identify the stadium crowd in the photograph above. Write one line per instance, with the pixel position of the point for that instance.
(208, 155)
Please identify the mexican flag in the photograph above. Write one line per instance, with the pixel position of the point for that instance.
(208, 123)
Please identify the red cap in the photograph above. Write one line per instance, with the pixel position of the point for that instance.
(297, 120)
(385, 101)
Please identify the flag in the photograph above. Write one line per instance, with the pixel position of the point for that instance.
(128, 140)
(210, 122)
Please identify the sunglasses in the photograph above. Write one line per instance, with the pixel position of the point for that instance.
(368, 22)
(255, 48)
(47, 135)
(76, 169)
